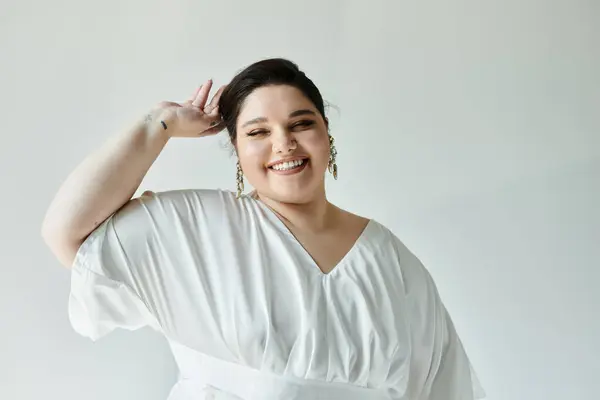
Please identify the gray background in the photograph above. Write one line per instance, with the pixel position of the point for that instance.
(470, 128)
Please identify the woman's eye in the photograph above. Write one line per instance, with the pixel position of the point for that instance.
(304, 124)
(255, 133)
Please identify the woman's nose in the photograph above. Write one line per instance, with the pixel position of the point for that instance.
(284, 142)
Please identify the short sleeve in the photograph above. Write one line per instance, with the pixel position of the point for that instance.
(454, 376)
(98, 301)
(103, 295)
(440, 368)
(127, 273)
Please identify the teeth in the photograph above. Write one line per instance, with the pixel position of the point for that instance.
(288, 165)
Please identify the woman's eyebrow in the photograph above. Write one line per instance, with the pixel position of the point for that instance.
(293, 114)
(302, 112)
(254, 121)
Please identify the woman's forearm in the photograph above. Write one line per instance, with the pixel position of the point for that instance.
(100, 185)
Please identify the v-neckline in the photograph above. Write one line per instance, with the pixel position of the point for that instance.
(272, 215)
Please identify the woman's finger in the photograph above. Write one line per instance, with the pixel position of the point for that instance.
(214, 102)
(202, 95)
(193, 97)
(215, 113)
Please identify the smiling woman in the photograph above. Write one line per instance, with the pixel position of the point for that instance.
(275, 115)
(279, 294)
(286, 132)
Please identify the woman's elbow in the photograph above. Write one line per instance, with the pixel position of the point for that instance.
(60, 244)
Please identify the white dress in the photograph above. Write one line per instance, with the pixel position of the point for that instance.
(249, 315)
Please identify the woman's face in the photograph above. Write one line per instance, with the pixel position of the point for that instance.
(283, 144)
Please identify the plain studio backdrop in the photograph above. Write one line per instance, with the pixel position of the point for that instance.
(469, 127)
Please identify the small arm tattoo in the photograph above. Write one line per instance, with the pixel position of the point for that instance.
(148, 119)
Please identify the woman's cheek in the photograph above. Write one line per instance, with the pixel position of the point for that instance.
(317, 143)
(254, 154)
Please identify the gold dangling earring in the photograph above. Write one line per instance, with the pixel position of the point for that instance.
(333, 169)
(240, 180)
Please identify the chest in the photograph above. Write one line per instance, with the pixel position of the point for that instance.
(305, 322)
(266, 302)
(325, 251)
(328, 249)
(289, 299)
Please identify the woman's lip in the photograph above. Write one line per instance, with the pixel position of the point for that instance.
(269, 165)
(290, 171)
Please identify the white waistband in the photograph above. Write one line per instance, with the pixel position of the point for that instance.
(201, 371)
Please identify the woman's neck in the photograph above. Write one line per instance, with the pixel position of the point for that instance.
(314, 216)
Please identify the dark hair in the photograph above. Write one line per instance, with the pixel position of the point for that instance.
(274, 71)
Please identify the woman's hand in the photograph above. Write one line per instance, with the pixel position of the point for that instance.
(192, 118)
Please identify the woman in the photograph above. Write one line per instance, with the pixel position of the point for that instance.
(274, 295)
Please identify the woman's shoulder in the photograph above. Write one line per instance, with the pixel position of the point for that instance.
(188, 194)
(389, 244)
(385, 236)
(177, 207)
(189, 199)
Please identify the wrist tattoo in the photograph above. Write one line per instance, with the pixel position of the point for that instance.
(148, 119)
